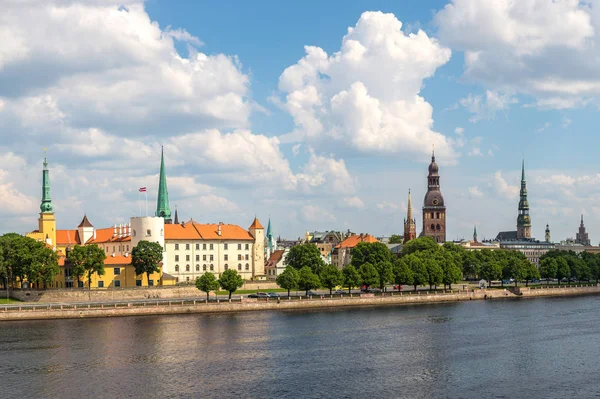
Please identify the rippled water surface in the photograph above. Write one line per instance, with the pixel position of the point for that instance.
(542, 348)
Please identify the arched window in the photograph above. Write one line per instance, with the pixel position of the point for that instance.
(226, 267)
(176, 268)
(187, 278)
(134, 233)
(437, 227)
(247, 266)
(187, 268)
(204, 267)
(197, 268)
(148, 233)
(437, 215)
(240, 267)
(432, 215)
(162, 232)
(212, 267)
(432, 227)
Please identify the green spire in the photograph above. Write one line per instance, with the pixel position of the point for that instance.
(474, 233)
(162, 203)
(523, 171)
(269, 235)
(46, 205)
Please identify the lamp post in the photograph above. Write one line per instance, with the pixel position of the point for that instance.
(6, 279)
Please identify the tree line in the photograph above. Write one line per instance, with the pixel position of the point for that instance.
(568, 265)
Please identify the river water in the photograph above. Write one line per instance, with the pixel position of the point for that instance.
(539, 348)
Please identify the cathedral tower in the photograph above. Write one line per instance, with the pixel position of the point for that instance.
(523, 220)
(410, 224)
(434, 210)
(162, 202)
(47, 222)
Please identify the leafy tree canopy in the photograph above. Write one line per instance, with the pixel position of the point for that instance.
(370, 252)
(396, 239)
(87, 259)
(330, 277)
(303, 255)
(351, 277)
(207, 283)
(308, 280)
(230, 281)
(288, 279)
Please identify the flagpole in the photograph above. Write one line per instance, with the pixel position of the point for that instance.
(139, 201)
(146, 192)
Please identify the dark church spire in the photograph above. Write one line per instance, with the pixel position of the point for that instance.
(523, 219)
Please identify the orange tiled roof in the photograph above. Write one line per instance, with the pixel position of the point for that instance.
(106, 235)
(275, 258)
(117, 260)
(67, 237)
(353, 241)
(256, 224)
(181, 232)
(228, 232)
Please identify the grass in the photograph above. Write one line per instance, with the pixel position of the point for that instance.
(4, 301)
(252, 291)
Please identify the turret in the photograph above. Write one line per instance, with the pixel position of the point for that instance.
(547, 236)
(523, 219)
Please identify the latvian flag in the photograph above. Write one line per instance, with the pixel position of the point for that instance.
(142, 189)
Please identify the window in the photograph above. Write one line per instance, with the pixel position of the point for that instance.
(432, 227)
(197, 268)
(239, 266)
(134, 233)
(203, 257)
(212, 257)
(247, 266)
(128, 248)
(225, 246)
(239, 257)
(176, 268)
(211, 247)
(226, 267)
(197, 258)
(148, 233)
(247, 247)
(117, 283)
(432, 215)
(100, 284)
(138, 283)
(437, 215)
(204, 267)
(247, 257)
(176, 247)
(150, 283)
(187, 247)
(226, 257)
(117, 271)
(162, 232)
(187, 258)
(113, 248)
(204, 246)
(197, 247)
(176, 258)
(187, 268)
(212, 267)
(187, 279)
(437, 227)
(239, 247)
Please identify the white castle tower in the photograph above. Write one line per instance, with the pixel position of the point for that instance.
(149, 228)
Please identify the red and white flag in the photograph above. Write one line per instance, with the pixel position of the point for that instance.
(142, 189)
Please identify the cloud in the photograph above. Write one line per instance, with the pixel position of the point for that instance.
(366, 97)
(546, 49)
(316, 214)
(486, 108)
(503, 188)
(474, 192)
(543, 127)
(354, 202)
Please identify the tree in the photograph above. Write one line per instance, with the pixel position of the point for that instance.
(517, 269)
(435, 274)
(451, 268)
(579, 269)
(402, 273)
(531, 272)
(368, 275)
(308, 280)
(563, 270)
(207, 283)
(303, 255)
(419, 245)
(418, 269)
(146, 258)
(351, 277)
(386, 273)
(330, 277)
(230, 281)
(396, 239)
(370, 252)
(491, 270)
(470, 264)
(87, 259)
(548, 269)
(288, 279)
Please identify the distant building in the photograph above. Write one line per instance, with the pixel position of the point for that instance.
(532, 249)
(410, 223)
(276, 263)
(582, 236)
(342, 253)
(523, 231)
(434, 210)
(475, 245)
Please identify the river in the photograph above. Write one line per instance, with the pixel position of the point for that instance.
(538, 348)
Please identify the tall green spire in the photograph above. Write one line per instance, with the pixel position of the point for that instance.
(475, 233)
(46, 205)
(162, 203)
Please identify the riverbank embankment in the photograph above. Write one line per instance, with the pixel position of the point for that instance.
(163, 307)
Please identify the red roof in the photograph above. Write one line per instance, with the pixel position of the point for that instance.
(275, 258)
(67, 237)
(353, 241)
(256, 224)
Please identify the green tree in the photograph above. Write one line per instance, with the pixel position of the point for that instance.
(207, 283)
(385, 270)
(435, 273)
(451, 268)
(288, 279)
(517, 269)
(87, 259)
(420, 244)
(402, 273)
(563, 270)
(303, 255)
(308, 280)
(470, 264)
(330, 277)
(531, 272)
(44, 263)
(396, 239)
(146, 258)
(548, 269)
(491, 270)
(418, 269)
(368, 275)
(351, 277)
(17, 258)
(579, 269)
(370, 252)
(230, 281)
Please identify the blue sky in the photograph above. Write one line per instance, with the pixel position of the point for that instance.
(250, 128)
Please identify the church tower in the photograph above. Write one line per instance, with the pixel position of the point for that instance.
(410, 224)
(434, 210)
(162, 202)
(47, 221)
(547, 236)
(523, 220)
(475, 234)
(271, 243)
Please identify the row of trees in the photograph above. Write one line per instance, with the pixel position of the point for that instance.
(229, 281)
(570, 266)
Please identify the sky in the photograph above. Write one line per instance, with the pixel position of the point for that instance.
(319, 115)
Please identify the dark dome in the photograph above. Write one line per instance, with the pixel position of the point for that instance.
(433, 196)
(433, 168)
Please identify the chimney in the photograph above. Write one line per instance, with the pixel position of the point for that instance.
(219, 229)
(113, 255)
(115, 230)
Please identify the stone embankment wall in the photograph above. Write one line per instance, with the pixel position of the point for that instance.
(99, 295)
(573, 290)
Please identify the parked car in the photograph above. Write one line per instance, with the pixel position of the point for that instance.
(340, 292)
(312, 293)
(259, 295)
(273, 295)
(398, 287)
(371, 290)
